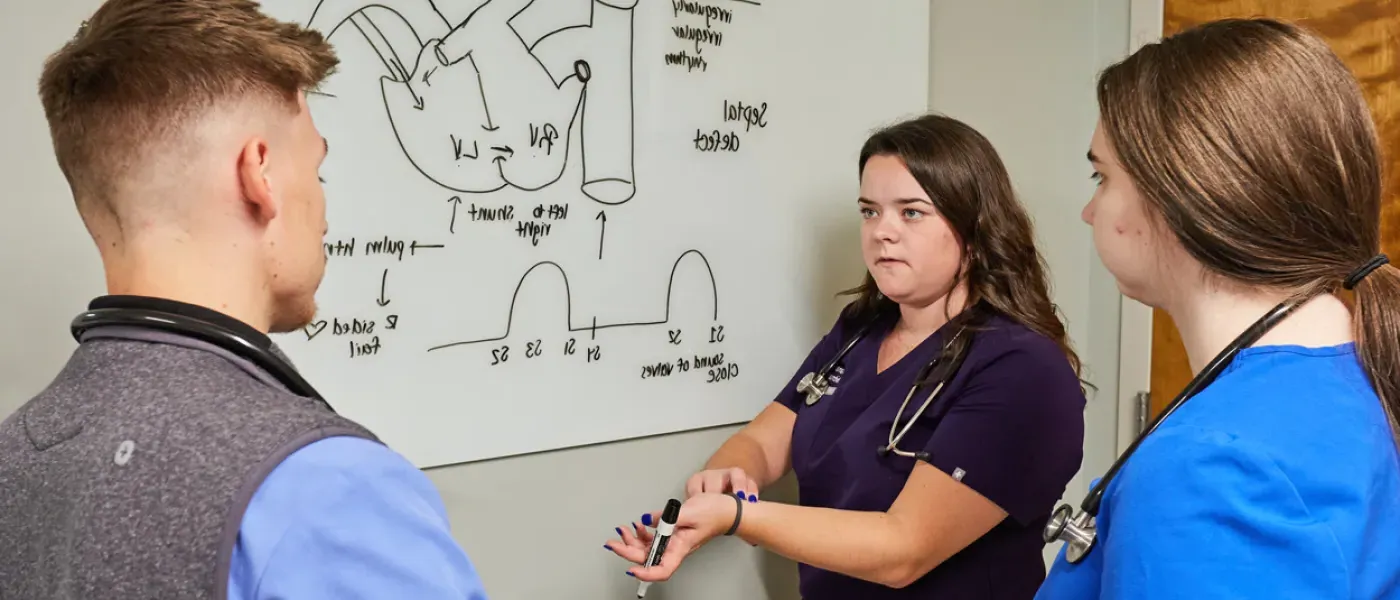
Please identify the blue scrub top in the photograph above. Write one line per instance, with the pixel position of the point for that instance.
(348, 518)
(1280, 480)
(1009, 425)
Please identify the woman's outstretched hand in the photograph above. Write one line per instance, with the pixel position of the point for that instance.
(702, 517)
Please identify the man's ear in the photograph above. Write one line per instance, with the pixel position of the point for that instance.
(255, 181)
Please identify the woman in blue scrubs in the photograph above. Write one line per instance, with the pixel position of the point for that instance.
(955, 508)
(1239, 170)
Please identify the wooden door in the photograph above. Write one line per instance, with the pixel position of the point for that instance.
(1366, 34)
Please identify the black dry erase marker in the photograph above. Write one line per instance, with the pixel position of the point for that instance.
(664, 529)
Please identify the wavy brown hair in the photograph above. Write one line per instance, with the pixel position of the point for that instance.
(968, 183)
(1252, 143)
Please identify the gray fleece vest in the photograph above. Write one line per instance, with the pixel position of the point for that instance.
(128, 476)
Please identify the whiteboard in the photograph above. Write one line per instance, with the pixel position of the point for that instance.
(563, 222)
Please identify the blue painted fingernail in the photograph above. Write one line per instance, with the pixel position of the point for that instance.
(607, 547)
(740, 494)
(646, 519)
(629, 574)
(753, 498)
(619, 531)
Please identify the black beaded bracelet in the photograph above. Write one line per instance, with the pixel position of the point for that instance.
(738, 514)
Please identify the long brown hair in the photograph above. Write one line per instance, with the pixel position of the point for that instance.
(1252, 142)
(966, 180)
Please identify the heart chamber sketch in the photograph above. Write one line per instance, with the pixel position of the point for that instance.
(494, 100)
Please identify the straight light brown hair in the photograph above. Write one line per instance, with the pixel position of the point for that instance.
(965, 178)
(1252, 143)
(124, 89)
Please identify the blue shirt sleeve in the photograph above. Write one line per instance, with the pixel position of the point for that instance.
(348, 518)
(1203, 515)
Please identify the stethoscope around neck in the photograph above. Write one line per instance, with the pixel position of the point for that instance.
(1078, 530)
(817, 384)
(200, 329)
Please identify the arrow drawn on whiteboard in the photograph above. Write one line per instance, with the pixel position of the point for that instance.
(601, 232)
(382, 301)
(455, 201)
(395, 65)
(415, 246)
(514, 76)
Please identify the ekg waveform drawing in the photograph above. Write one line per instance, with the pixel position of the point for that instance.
(594, 326)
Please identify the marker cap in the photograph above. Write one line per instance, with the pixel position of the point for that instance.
(672, 512)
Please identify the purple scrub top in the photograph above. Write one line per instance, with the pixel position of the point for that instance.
(1010, 425)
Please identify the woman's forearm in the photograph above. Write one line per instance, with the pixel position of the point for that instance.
(872, 546)
(746, 453)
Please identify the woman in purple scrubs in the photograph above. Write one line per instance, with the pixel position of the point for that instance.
(956, 509)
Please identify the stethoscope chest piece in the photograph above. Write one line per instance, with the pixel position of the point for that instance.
(813, 385)
(1079, 532)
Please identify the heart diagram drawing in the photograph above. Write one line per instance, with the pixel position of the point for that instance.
(490, 95)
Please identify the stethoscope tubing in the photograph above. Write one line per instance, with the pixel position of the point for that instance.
(1208, 375)
(1078, 530)
(815, 386)
(201, 330)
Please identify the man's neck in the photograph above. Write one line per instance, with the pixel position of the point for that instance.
(186, 272)
(1210, 318)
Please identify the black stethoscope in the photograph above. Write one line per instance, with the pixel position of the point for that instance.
(1079, 531)
(204, 331)
(818, 384)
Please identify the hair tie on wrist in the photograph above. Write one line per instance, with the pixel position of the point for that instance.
(738, 514)
(1361, 272)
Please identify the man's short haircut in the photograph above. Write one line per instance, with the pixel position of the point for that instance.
(139, 71)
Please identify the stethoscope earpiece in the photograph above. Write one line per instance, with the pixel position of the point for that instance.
(884, 451)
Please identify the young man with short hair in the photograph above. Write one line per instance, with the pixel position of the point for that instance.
(163, 465)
